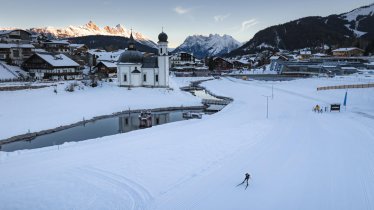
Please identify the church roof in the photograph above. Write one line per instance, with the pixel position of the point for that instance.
(131, 56)
(162, 37)
(150, 62)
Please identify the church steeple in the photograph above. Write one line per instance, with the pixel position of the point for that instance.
(163, 43)
(131, 43)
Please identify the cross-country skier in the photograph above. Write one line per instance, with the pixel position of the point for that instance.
(246, 179)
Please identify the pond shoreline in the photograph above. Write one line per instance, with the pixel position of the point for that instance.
(32, 135)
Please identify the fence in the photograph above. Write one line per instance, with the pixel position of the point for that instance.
(371, 85)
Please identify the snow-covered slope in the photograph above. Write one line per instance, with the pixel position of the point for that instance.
(92, 29)
(356, 13)
(212, 45)
(360, 20)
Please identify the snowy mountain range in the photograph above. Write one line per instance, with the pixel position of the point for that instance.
(212, 45)
(92, 29)
(354, 28)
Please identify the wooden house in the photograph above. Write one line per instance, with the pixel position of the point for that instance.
(52, 67)
(15, 53)
(15, 36)
(106, 69)
(221, 64)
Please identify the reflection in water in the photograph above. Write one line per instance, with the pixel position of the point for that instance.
(203, 94)
(104, 127)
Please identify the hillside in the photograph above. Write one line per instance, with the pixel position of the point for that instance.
(110, 43)
(354, 28)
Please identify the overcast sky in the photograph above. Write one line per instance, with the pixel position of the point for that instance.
(238, 18)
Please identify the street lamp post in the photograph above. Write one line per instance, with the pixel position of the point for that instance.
(267, 106)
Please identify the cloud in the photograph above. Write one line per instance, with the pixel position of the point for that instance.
(220, 18)
(248, 23)
(180, 10)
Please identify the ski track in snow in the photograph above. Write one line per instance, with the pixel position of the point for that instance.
(138, 195)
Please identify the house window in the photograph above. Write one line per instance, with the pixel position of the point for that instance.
(16, 53)
(125, 77)
(156, 77)
(145, 78)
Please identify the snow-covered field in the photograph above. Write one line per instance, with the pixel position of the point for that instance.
(297, 159)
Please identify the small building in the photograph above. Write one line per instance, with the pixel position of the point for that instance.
(106, 69)
(348, 52)
(15, 53)
(52, 67)
(305, 54)
(221, 64)
(136, 70)
(15, 36)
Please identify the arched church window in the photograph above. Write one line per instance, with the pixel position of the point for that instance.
(161, 50)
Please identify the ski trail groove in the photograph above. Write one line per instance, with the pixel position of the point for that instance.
(138, 194)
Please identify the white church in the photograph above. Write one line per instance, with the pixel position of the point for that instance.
(136, 70)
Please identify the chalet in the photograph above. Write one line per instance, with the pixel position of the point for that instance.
(78, 49)
(241, 64)
(52, 66)
(56, 46)
(348, 52)
(15, 53)
(15, 36)
(221, 64)
(105, 69)
(183, 59)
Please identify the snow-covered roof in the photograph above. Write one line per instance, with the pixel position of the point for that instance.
(5, 32)
(305, 52)
(76, 45)
(65, 42)
(107, 56)
(349, 68)
(58, 60)
(320, 55)
(347, 49)
(8, 46)
(274, 57)
(109, 64)
(38, 50)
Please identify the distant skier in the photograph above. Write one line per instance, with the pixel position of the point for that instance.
(246, 179)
